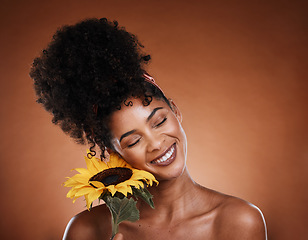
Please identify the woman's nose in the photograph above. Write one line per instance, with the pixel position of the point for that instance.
(155, 142)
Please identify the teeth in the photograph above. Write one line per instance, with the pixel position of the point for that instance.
(166, 156)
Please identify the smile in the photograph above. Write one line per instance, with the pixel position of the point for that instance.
(167, 157)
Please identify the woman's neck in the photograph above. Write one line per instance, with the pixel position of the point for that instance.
(173, 199)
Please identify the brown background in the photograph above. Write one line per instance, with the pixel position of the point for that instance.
(237, 71)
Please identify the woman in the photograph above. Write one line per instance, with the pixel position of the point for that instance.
(92, 78)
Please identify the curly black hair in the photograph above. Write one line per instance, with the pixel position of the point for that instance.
(87, 71)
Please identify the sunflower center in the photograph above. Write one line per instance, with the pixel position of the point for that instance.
(113, 176)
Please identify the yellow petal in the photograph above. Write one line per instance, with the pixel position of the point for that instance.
(80, 185)
(93, 196)
(70, 182)
(71, 193)
(116, 161)
(136, 184)
(140, 174)
(111, 189)
(144, 175)
(84, 171)
(88, 202)
(83, 191)
(90, 166)
(80, 178)
(102, 165)
(97, 184)
(128, 190)
(123, 188)
(98, 164)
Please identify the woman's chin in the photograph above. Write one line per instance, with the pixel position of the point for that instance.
(174, 173)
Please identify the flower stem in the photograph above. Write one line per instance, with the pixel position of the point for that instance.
(115, 228)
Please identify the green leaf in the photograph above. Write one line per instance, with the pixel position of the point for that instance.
(122, 209)
(144, 194)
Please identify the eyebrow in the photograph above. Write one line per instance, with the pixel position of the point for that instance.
(153, 112)
(126, 134)
(148, 119)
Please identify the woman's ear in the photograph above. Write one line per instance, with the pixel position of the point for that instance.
(176, 110)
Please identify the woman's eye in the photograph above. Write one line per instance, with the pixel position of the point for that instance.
(160, 123)
(133, 144)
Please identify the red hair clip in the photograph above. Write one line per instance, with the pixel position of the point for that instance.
(151, 80)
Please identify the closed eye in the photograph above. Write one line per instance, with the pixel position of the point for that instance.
(161, 123)
(133, 144)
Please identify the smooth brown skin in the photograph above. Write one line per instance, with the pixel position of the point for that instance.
(183, 208)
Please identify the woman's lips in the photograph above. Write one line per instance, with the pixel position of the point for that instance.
(167, 157)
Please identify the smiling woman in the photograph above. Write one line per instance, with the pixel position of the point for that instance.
(92, 78)
(150, 138)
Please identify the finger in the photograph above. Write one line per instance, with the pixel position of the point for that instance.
(118, 236)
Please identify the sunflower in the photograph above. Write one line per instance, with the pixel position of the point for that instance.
(100, 177)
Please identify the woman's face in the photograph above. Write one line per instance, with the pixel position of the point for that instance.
(150, 138)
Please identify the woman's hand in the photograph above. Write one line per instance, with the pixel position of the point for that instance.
(118, 236)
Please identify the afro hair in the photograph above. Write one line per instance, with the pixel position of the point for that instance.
(87, 71)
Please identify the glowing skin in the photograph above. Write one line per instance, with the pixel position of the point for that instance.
(150, 138)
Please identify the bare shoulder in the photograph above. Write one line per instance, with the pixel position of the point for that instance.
(238, 219)
(94, 224)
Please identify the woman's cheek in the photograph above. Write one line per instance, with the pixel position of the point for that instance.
(174, 127)
(134, 159)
